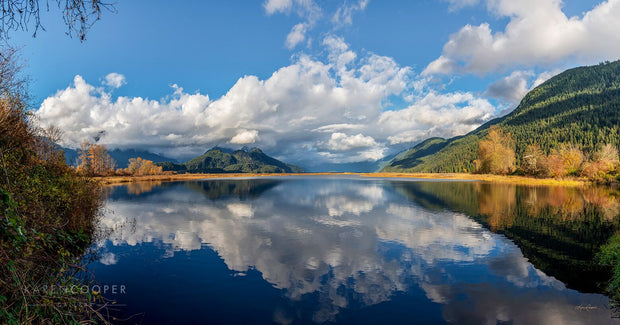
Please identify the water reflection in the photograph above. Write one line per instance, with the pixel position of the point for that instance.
(335, 244)
(558, 229)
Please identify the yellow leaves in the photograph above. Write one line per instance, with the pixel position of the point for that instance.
(95, 160)
(496, 153)
(141, 167)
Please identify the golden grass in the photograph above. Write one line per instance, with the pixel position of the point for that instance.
(504, 179)
(113, 180)
(518, 180)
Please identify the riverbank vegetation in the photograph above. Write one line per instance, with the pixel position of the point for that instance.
(609, 255)
(48, 217)
(496, 155)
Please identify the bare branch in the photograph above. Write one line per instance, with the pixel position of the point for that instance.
(78, 15)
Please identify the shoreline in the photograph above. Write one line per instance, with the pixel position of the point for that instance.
(508, 179)
(501, 179)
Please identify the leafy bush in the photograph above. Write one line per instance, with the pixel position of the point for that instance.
(609, 255)
(47, 220)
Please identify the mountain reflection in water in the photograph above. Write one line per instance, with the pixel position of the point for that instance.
(352, 250)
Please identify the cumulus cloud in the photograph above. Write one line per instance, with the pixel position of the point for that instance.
(88, 112)
(297, 35)
(245, 137)
(538, 32)
(342, 142)
(114, 80)
(436, 114)
(329, 110)
(511, 88)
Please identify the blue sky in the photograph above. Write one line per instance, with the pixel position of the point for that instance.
(306, 80)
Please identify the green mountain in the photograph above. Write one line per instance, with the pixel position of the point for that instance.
(580, 106)
(220, 160)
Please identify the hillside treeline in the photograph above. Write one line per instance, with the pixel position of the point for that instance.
(579, 108)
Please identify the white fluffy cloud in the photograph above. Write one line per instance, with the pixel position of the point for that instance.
(436, 114)
(538, 33)
(245, 137)
(342, 142)
(115, 80)
(311, 110)
(297, 35)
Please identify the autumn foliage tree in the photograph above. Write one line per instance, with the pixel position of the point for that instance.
(140, 167)
(94, 160)
(565, 160)
(496, 153)
(601, 166)
(534, 161)
(604, 161)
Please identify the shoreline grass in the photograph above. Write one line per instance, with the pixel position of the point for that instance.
(504, 179)
(508, 179)
(119, 180)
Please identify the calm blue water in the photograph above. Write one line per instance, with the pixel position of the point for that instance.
(301, 250)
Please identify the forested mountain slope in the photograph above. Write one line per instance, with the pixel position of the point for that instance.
(580, 107)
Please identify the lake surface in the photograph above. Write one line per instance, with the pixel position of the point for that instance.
(349, 250)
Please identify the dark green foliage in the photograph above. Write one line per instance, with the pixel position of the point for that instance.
(579, 107)
(218, 160)
(609, 255)
(47, 220)
(170, 166)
